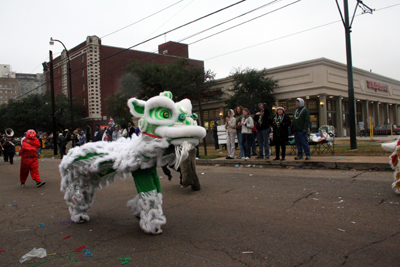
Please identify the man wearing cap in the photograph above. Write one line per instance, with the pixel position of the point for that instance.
(301, 122)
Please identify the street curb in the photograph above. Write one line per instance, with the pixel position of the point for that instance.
(312, 164)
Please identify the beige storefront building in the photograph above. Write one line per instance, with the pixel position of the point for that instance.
(322, 83)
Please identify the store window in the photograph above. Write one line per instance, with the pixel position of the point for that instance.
(209, 116)
(331, 105)
(311, 104)
(283, 104)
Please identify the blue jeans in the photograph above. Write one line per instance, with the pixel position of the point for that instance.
(247, 143)
(263, 142)
(301, 140)
(253, 140)
(240, 137)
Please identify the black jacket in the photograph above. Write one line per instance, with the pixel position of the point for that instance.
(131, 131)
(281, 129)
(98, 135)
(263, 121)
(9, 146)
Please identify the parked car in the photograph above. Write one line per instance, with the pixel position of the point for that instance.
(381, 130)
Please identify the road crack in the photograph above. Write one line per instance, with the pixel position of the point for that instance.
(297, 200)
(346, 257)
(306, 261)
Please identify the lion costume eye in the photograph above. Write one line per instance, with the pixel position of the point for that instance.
(160, 113)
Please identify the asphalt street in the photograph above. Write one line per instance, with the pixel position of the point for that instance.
(241, 217)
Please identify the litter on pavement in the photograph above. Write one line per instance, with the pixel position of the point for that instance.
(34, 253)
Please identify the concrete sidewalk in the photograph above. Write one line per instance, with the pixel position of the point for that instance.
(326, 162)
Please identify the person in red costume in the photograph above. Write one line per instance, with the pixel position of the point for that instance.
(29, 159)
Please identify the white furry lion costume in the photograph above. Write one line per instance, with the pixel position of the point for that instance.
(394, 163)
(164, 124)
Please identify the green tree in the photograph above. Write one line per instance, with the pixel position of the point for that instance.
(250, 87)
(180, 77)
(35, 112)
(118, 108)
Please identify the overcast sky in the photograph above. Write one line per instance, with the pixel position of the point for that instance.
(28, 25)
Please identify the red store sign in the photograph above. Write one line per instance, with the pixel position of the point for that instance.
(377, 86)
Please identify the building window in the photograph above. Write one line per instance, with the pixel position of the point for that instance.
(83, 87)
(59, 82)
(331, 105)
(311, 104)
(292, 105)
(83, 73)
(84, 101)
(209, 116)
(83, 58)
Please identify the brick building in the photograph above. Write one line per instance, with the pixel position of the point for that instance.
(97, 71)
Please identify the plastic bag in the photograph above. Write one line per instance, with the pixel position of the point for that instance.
(39, 253)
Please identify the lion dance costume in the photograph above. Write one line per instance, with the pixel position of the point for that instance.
(29, 159)
(166, 127)
(394, 147)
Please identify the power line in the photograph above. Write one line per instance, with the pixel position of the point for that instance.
(126, 49)
(292, 34)
(169, 19)
(141, 19)
(313, 28)
(237, 25)
(219, 24)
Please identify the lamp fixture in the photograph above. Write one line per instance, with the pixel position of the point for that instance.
(51, 41)
(321, 103)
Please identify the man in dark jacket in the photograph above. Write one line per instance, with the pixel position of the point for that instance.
(98, 134)
(301, 122)
(263, 121)
(131, 130)
(215, 134)
(62, 143)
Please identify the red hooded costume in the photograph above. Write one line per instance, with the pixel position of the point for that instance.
(29, 157)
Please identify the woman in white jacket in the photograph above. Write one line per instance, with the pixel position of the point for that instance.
(230, 126)
(247, 132)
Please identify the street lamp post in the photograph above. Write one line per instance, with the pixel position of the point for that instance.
(69, 79)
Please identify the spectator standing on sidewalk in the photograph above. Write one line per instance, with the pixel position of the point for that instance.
(301, 122)
(239, 116)
(68, 137)
(215, 134)
(98, 134)
(230, 126)
(131, 130)
(62, 143)
(82, 139)
(253, 138)
(247, 133)
(280, 124)
(263, 129)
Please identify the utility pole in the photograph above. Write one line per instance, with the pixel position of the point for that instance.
(53, 107)
(347, 27)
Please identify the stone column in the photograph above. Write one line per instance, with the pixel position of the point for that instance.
(323, 120)
(387, 114)
(376, 114)
(339, 116)
(395, 121)
(365, 114)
